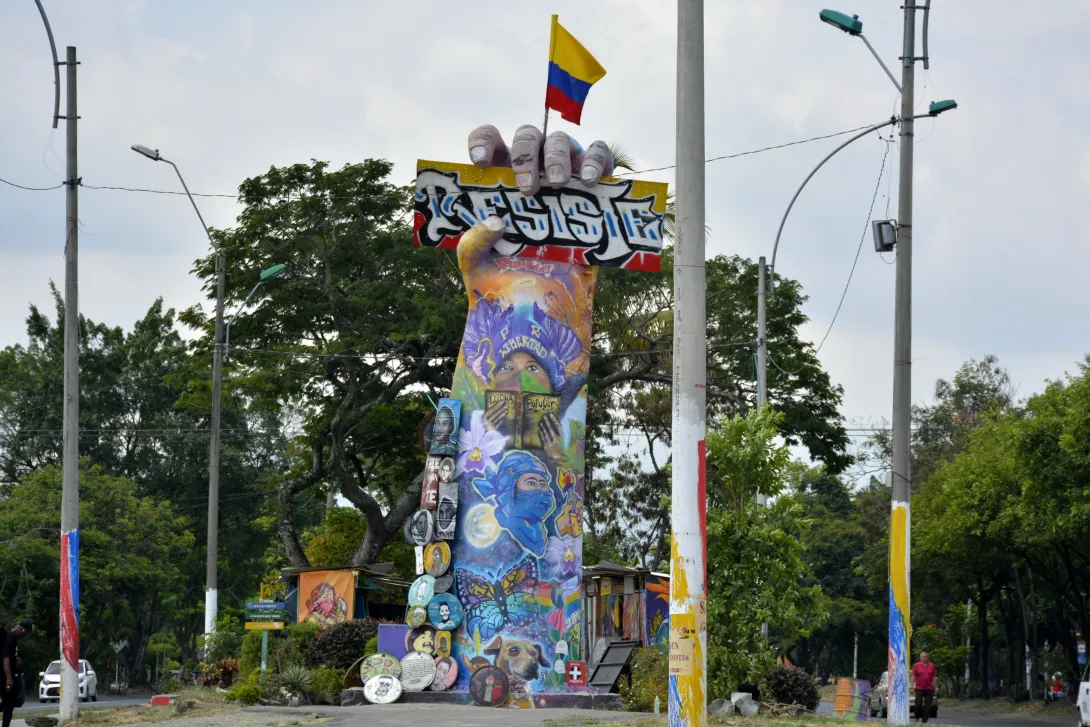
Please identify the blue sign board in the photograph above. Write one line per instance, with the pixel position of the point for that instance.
(266, 606)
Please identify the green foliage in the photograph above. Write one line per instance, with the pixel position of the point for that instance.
(227, 642)
(169, 686)
(650, 679)
(296, 678)
(756, 570)
(326, 685)
(331, 543)
(248, 692)
(372, 646)
(788, 685)
(341, 645)
(250, 653)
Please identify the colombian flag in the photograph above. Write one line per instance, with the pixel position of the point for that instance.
(572, 71)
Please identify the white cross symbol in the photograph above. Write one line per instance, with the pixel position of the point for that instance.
(574, 672)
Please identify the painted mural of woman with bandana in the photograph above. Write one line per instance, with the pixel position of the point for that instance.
(521, 488)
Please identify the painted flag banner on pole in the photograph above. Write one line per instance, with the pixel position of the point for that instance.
(70, 598)
(572, 71)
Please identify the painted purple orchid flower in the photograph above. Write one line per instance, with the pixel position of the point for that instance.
(478, 446)
(563, 553)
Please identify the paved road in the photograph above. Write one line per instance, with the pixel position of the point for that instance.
(968, 719)
(427, 715)
(104, 700)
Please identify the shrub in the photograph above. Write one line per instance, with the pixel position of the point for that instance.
(294, 645)
(248, 692)
(341, 645)
(325, 688)
(296, 678)
(210, 675)
(650, 679)
(788, 685)
(227, 668)
(372, 646)
(169, 686)
(250, 656)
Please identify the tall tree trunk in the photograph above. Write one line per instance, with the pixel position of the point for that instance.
(985, 642)
(1024, 604)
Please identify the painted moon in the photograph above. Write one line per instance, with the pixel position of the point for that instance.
(481, 526)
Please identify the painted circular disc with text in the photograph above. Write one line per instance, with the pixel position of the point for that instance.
(379, 665)
(446, 673)
(383, 689)
(436, 558)
(489, 687)
(422, 527)
(445, 612)
(416, 616)
(444, 583)
(421, 639)
(422, 590)
(417, 671)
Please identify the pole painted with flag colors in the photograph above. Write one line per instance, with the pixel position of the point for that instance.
(688, 686)
(69, 576)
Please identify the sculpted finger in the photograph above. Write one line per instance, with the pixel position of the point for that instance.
(525, 159)
(597, 163)
(487, 147)
(561, 154)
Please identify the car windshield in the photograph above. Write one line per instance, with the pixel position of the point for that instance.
(54, 668)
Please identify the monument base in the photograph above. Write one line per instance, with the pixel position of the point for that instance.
(541, 701)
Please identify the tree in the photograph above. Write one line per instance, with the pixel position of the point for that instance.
(129, 565)
(756, 570)
(353, 337)
(629, 424)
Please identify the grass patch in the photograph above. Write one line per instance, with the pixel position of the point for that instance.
(111, 717)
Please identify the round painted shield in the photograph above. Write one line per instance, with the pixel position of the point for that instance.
(444, 612)
(421, 591)
(446, 673)
(443, 583)
(417, 671)
(489, 687)
(422, 527)
(379, 665)
(421, 639)
(416, 616)
(383, 689)
(436, 558)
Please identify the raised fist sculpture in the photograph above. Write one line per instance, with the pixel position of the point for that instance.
(561, 156)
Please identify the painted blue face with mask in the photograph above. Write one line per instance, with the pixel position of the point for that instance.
(521, 488)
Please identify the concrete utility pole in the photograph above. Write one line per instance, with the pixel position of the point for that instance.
(855, 658)
(900, 653)
(69, 688)
(688, 705)
(762, 355)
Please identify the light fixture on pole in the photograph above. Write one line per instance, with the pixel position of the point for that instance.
(885, 235)
(265, 276)
(211, 595)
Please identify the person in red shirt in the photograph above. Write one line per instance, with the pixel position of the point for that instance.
(923, 679)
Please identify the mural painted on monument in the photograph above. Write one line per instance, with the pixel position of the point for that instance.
(528, 259)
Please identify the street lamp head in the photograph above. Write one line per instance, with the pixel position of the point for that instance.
(273, 272)
(937, 107)
(850, 24)
(150, 153)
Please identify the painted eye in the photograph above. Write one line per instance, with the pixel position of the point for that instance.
(534, 367)
(512, 651)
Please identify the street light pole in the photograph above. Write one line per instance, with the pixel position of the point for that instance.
(762, 357)
(900, 628)
(688, 679)
(211, 594)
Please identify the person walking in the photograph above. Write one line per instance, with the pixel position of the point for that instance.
(923, 679)
(12, 695)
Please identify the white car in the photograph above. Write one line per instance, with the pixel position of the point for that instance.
(879, 707)
(1083, 704)
(49, 686)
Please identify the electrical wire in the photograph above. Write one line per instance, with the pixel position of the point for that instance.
(870, 213)
(31, 189)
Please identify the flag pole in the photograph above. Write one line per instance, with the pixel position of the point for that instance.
(552, 47)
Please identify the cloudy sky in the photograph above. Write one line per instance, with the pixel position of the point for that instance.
(227, 89)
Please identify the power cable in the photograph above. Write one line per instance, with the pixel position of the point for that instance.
(31, 189)
(870, 212)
